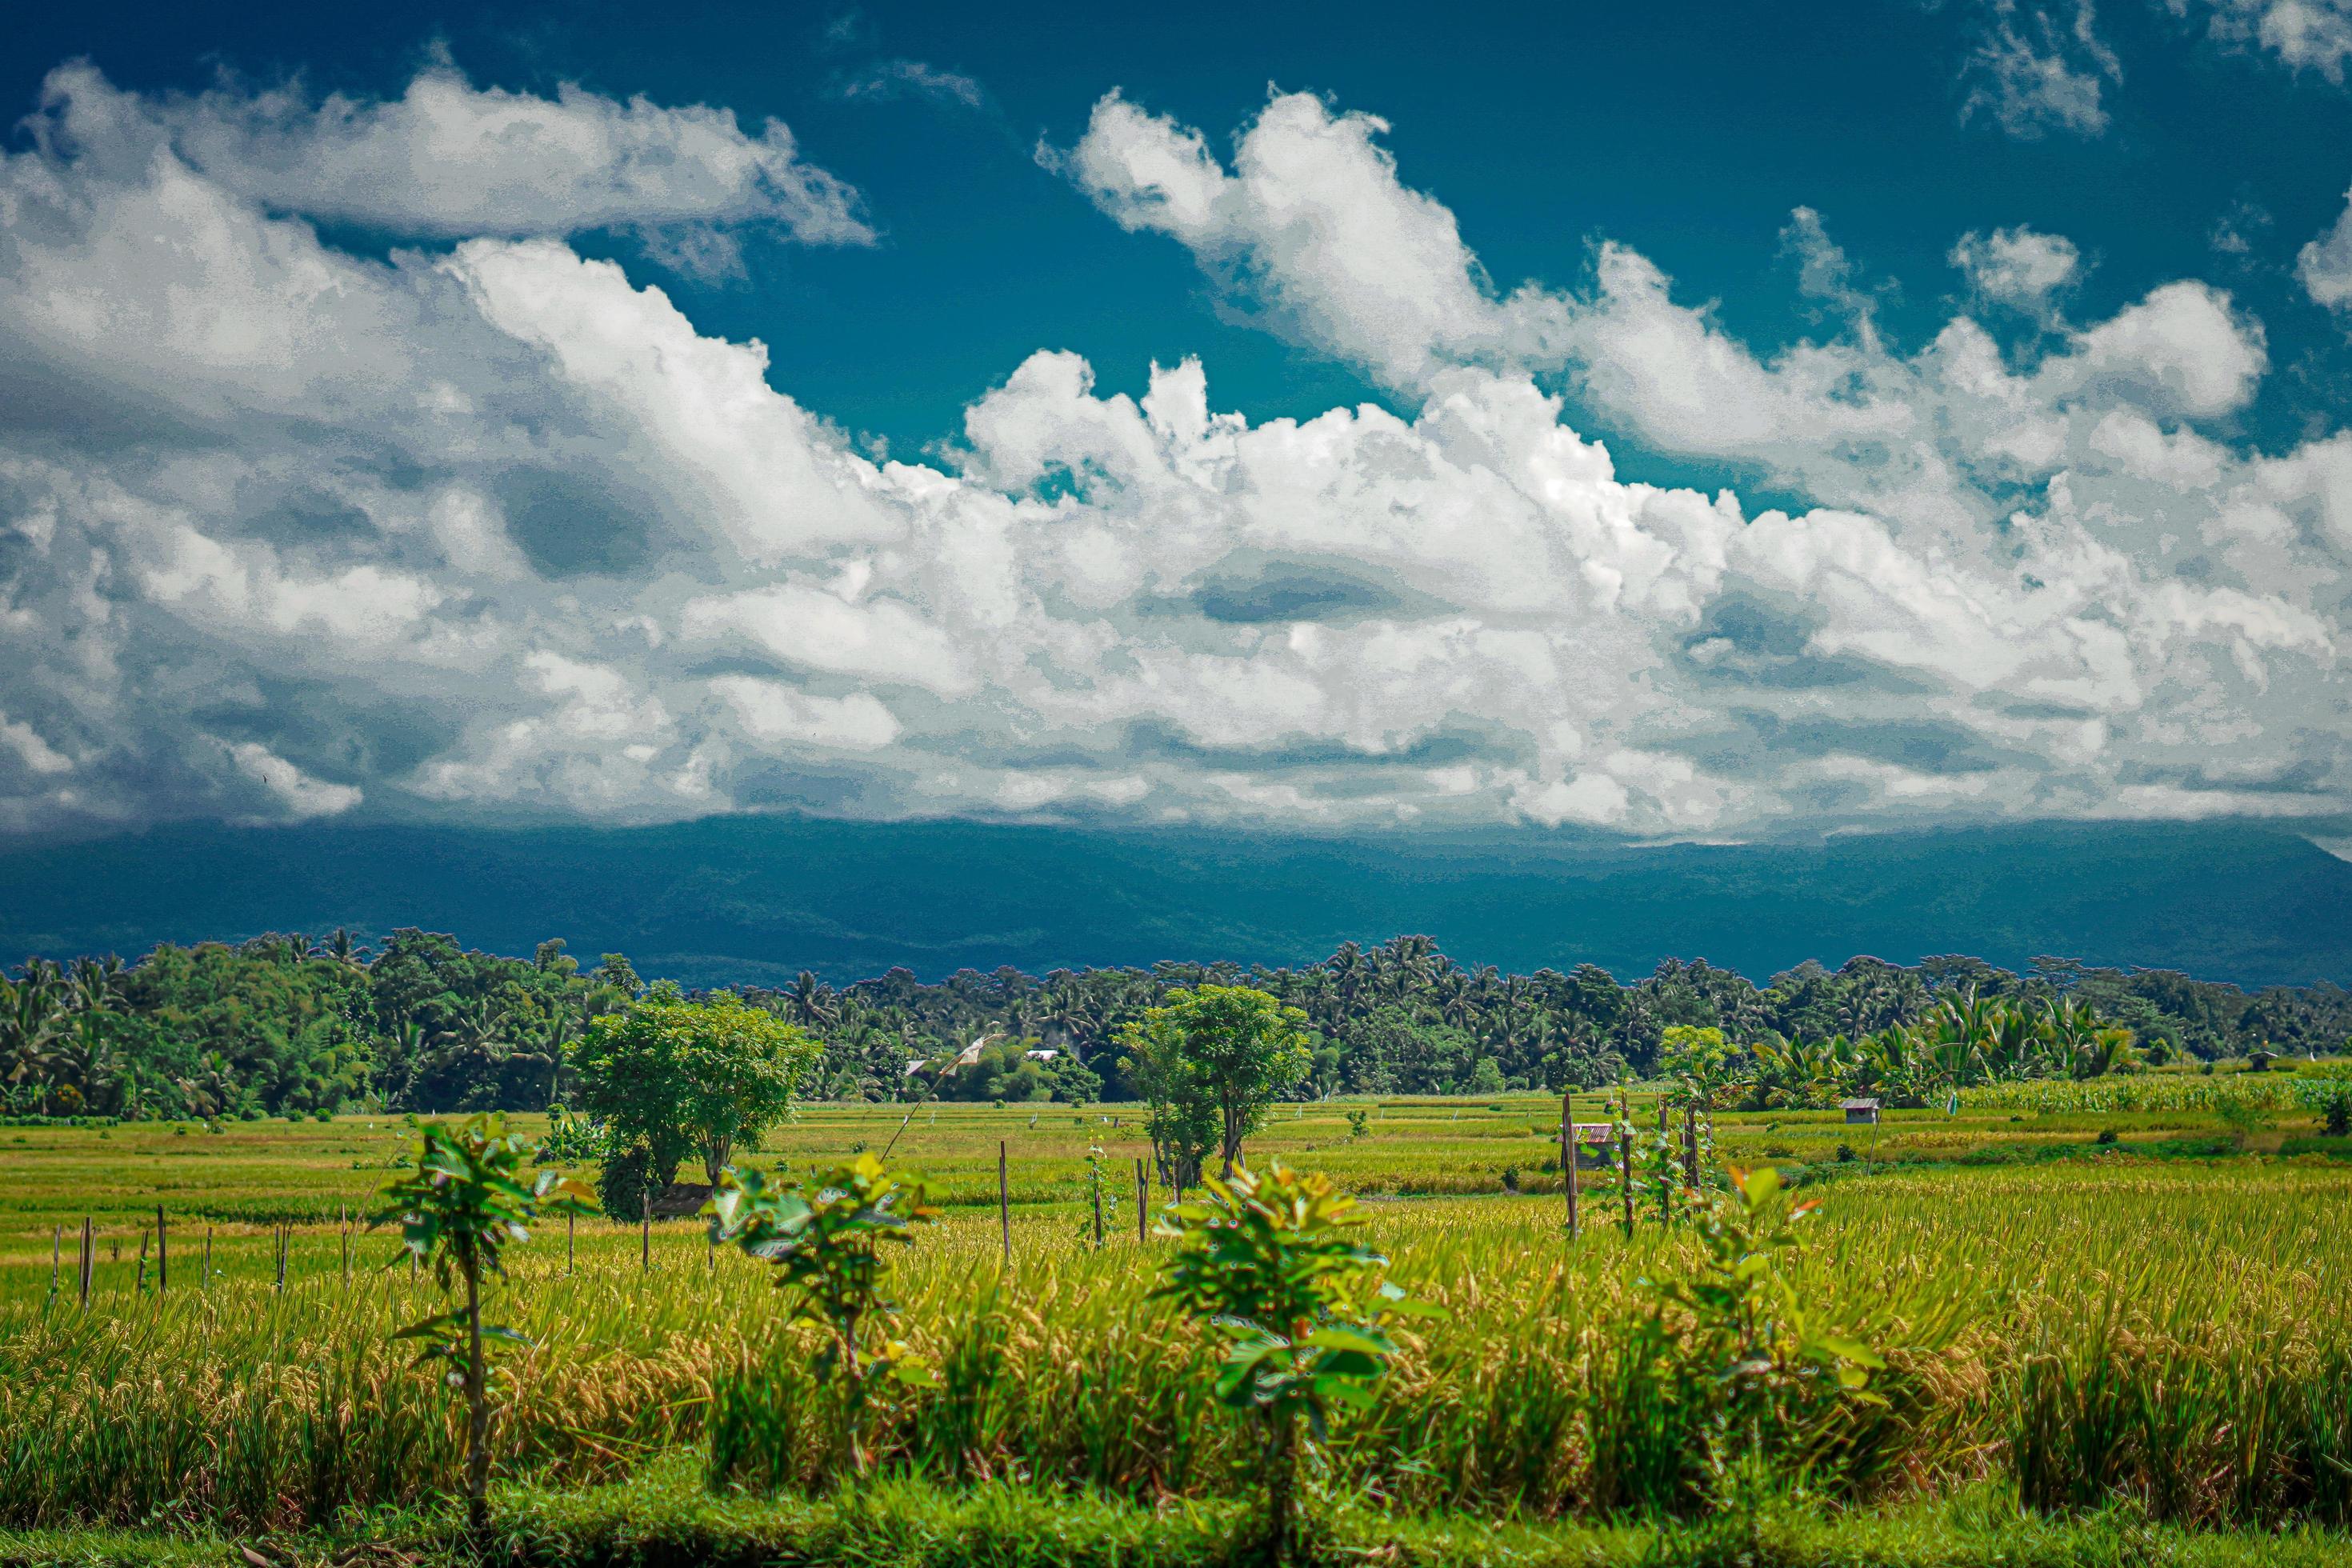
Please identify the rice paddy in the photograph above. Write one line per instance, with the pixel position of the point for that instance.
(2153, 1320)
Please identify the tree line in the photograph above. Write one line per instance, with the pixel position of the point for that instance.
(290, 1024)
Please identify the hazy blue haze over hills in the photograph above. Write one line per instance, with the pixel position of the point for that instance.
(756, 900)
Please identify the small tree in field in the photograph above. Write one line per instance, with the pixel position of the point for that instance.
(1760, 1358)
(1267, 1263)
(827, 1243)
(1219, 1052)
(458, 1211)
(674, 1077)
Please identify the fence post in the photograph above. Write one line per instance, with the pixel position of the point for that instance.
(162, 1254)
(1143, 1199)
(1625, 1157)
(1568, 1157)
(1004, 1203)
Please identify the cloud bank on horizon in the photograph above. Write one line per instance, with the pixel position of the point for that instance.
(291, 530)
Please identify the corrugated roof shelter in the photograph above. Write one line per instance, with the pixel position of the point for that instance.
(1860, 1110)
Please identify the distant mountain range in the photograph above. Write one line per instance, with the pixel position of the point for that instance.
(755, 899)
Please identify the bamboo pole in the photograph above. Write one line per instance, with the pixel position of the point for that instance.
(1690, 1145)
(1143, 1199)
(89, 1258)
(162, 1254)
(1004, 1203)
(644, 1230)
(1095, 1172)
(142, 1288)
(57, 1255)
(206, 1283)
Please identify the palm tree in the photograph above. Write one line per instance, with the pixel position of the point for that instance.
(563, 1027)
(212, 1089)
(812, 1001)
(85, 1060)
(32, 1020)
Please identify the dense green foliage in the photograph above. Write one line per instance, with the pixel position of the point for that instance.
(284, 1025)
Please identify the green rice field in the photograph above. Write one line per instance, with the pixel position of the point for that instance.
(2084, 1308)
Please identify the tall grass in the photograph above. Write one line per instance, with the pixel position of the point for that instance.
(2158, 1332)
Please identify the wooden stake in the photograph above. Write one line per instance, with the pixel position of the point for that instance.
(644, 1230)
(1568, 1157)
(1096, 1172)
(89, 1258)
(1143, 1199)
(206, 1281)
(1625, 1158)
(162, 1254)
(141, 1288)
(1004, 1203)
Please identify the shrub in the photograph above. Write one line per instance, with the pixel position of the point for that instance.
(2335, 1112)
(825, 1245)
(623, 1183)
(1758, 1359)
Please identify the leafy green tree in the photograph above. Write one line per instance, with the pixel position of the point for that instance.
(1268, 1264)
(1698, 1062)
(458, 1211)
(1226, 1048)
(676, 1078)
(826, 1243)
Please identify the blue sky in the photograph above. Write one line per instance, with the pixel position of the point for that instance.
(2002, 349)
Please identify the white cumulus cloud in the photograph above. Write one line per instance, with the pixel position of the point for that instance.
(503, 529)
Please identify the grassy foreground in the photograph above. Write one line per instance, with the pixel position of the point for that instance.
(664, 1517)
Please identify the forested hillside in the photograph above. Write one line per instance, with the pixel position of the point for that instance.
(290, 1024)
